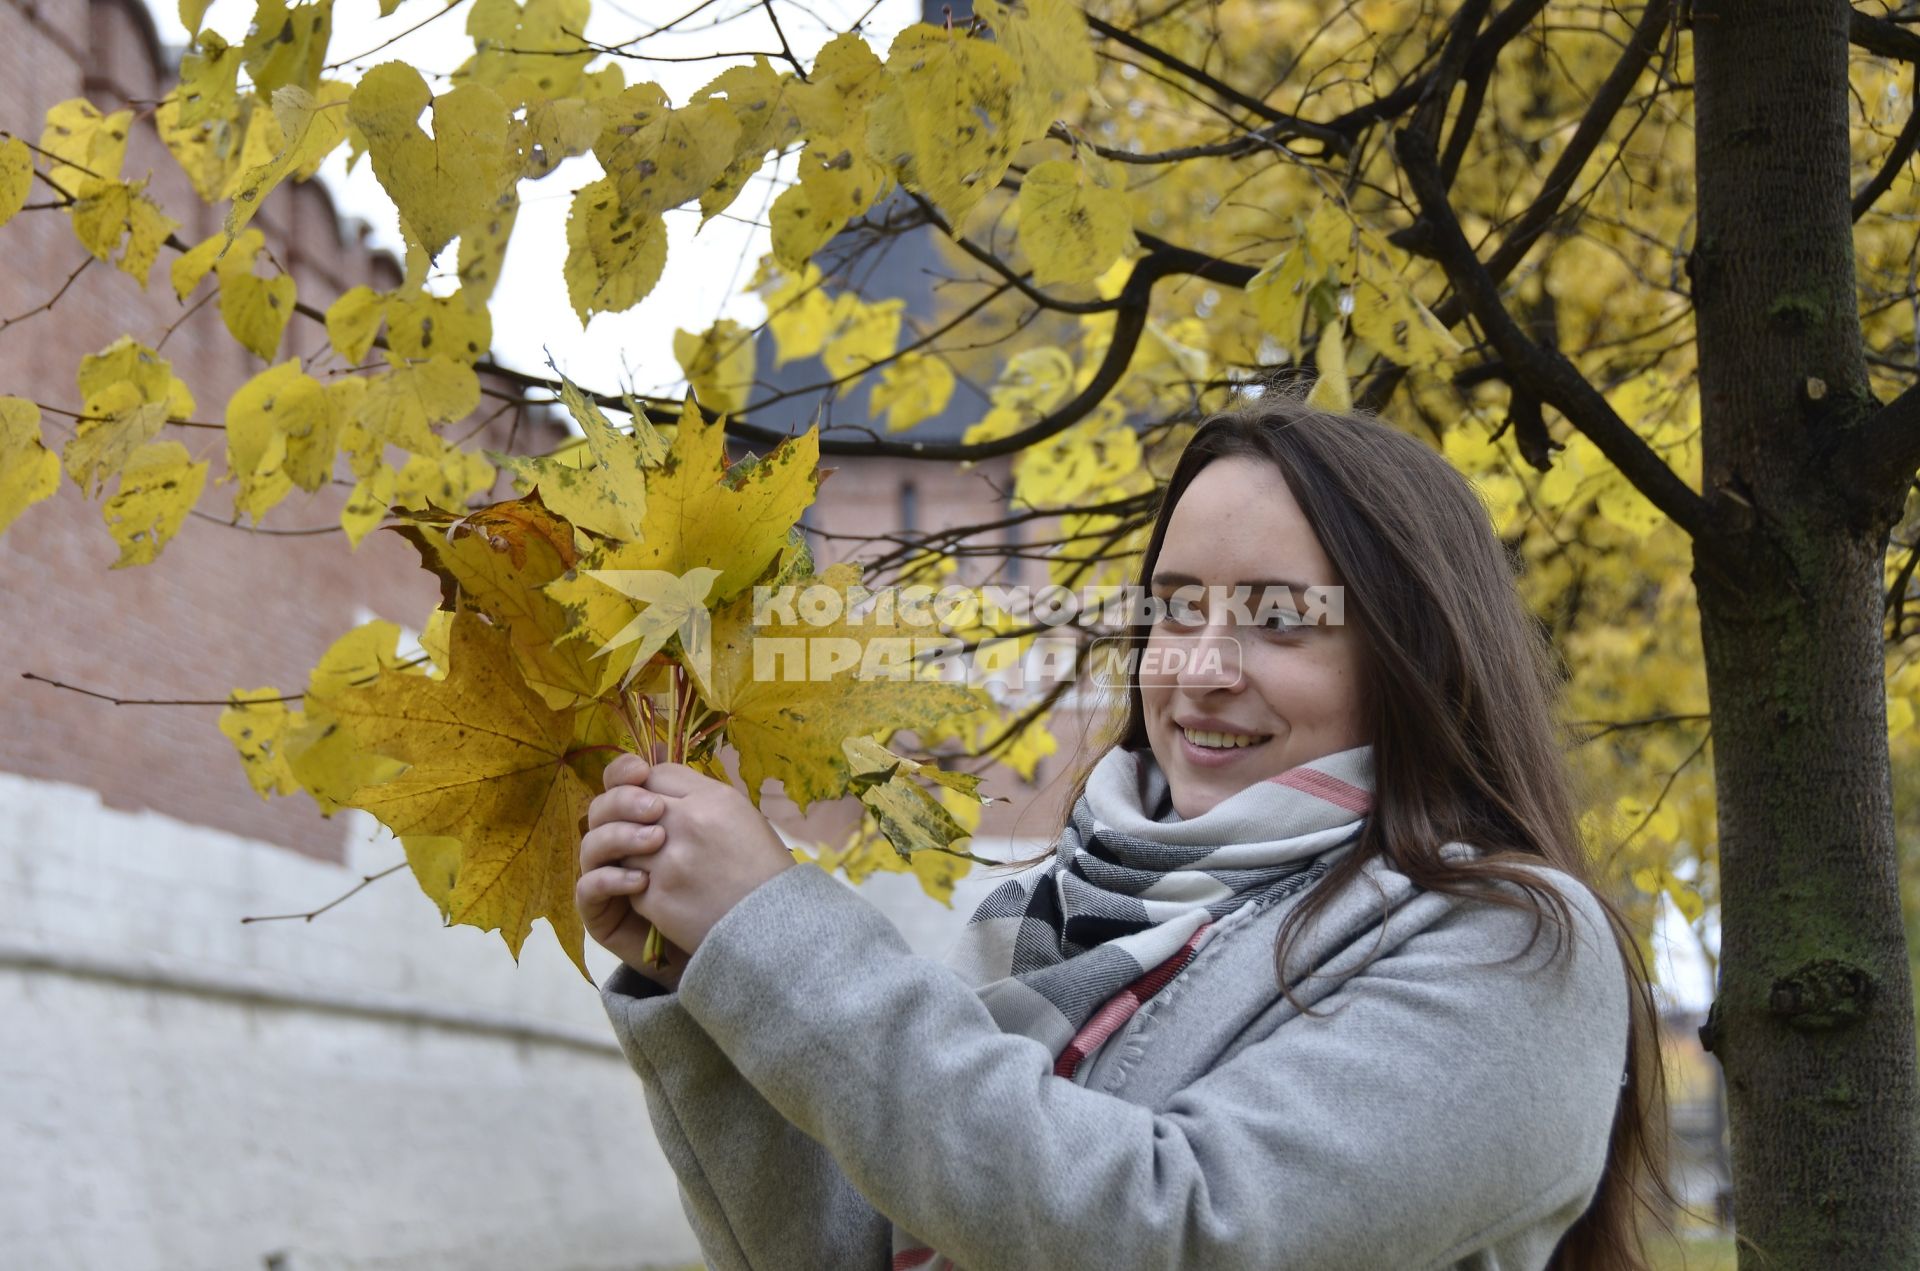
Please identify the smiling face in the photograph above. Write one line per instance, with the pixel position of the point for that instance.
(1278, 692)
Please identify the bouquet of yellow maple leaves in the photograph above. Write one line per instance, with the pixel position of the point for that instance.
(610, 607)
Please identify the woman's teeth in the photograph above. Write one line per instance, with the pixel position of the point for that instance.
(1223, 741)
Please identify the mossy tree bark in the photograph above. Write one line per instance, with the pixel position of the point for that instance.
(1806, 475)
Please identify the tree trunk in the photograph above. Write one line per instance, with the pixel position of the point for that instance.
(1813, 1025)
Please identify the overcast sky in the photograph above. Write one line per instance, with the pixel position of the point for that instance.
(531, 316)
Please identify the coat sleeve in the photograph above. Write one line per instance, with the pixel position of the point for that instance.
(759, 1193)
(1440, 1104)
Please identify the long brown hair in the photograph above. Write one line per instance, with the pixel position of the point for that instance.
(1459, 685)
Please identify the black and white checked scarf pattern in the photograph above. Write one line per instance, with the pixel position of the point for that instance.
(1131, 882)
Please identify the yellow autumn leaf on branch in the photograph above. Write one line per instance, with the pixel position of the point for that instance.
(157, 486)
(950, 122)
(913, 387)
(1050, 43)
(1071, 229)
(353, 321)
(423, 326)
(29, 472)
(863, 334)
(799, 313)
(16, 177)
(614, 257)
(442, 183)
(117, 221)
(1330, 390)
(718, 364)
(658, 157)
(257, 725)
(758, 97)
(86, 146)
(311, 125)
(263, 416)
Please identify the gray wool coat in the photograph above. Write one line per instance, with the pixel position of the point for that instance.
(812, 1079)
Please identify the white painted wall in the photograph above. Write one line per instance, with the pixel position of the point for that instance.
(371, 1090)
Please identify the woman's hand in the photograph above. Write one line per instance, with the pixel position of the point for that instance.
(621, 823)
(700, 843)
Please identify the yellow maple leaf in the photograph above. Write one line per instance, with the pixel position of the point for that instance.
(488, 764)
(599, 484)
(795, 677)
(496, 561)
(699, 514)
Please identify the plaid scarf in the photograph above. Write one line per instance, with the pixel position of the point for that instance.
(1134, 890)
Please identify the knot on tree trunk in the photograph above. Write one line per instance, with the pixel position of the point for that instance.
(1825, 993)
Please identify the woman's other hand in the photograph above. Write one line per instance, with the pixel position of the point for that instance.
(701, 842)
(621, 829)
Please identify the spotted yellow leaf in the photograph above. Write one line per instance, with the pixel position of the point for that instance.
(158, 485)
(29, 472)
(1071, 228)
(488, 764)
(16, 177)
(444, 183)
(614, 257)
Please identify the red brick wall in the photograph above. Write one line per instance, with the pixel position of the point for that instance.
(221, 608)
(224, 608)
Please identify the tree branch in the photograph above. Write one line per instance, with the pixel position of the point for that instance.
(1885, 448)
(1333, 140)
(1546, 373)
(1896, 159)
(1877, 35)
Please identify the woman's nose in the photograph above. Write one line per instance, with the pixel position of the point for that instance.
(1209, 659)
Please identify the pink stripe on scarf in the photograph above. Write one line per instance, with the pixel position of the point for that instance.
(1318, 784)
(1121, 1007)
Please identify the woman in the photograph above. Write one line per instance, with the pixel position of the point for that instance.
(1277, 1002)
